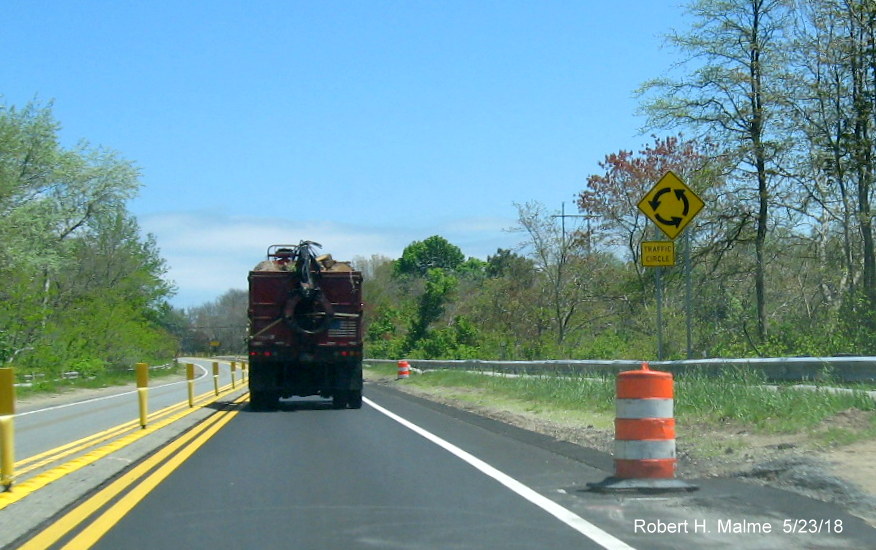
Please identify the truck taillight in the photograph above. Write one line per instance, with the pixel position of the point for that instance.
(260, 354)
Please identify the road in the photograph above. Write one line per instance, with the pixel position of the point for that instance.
(43, 427)
(404, 473)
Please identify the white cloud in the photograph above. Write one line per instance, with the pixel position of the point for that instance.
(208, 254)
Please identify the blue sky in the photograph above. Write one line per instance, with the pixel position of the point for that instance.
(364, 125)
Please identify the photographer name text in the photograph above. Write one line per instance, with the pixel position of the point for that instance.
(738, 527)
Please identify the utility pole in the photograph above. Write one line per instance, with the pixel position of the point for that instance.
(563, 217)
(561, 262)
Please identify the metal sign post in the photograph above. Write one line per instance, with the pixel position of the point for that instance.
(671, 205)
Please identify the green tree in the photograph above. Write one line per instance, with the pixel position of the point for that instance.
(507, 263)
(82, 289)
(383, 335)
(431, 304)
(421, 256)
(459, 340)
(510, 307)
(411, 303)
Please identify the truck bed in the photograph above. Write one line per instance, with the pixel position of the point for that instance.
(269, 293)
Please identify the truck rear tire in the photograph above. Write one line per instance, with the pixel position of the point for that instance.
(339, 399)
(347, 398)
(354, 400)
(263, 400)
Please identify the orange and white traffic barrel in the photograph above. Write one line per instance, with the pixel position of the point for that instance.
(644, 434)
(644, 426)
(404, 369)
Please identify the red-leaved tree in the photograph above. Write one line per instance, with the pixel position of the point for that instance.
(611, 198)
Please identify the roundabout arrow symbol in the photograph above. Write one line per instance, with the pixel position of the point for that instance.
(655, 202)
(673, 213)
(680, 194)
(676, 221)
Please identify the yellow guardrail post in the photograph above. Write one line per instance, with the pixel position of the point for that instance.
(244, 368)
(233, 374)
(143, 391)
(190, 378)
(216, 377)
(7, 428)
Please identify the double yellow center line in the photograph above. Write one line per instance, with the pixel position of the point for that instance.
(51, 456)
(135, 484)
(167, 416)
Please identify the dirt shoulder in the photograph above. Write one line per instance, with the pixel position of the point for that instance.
(803, 462)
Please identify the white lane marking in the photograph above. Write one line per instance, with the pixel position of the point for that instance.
(104, 398)
(568, 517)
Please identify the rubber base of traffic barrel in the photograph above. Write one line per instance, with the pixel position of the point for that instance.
(618, 485)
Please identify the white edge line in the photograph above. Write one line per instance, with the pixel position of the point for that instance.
(104, 398)
(568, 517)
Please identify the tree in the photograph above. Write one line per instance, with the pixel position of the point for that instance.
(734, 90)
(510, 307)
(507, 263)
(421, 256)
(82, 288)
(611, 198)
(561, 261)
(222, 320)
(430, 305)
(835, 43)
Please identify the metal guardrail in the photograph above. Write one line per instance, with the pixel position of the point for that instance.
(843, 369)
(73, 375)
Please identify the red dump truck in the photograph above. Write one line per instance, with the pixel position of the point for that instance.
(305, 328)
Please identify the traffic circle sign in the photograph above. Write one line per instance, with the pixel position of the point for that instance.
(658, 253)
(671, 205)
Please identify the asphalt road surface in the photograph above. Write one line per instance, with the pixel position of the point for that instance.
(42, 427)
(404, 473)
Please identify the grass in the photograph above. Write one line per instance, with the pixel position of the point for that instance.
(735, 397)
(742, 396)
(549, 397)
(103, 380)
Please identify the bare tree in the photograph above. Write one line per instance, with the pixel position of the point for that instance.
(560, 260)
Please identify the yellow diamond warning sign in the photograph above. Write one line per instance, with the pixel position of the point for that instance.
(671, 205)
(658, 253)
